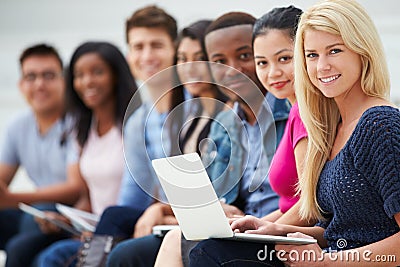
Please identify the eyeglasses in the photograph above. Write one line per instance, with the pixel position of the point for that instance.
(47, 76)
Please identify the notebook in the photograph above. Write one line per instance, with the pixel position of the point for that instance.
(196, 206)
(40, 214)
(81, 220)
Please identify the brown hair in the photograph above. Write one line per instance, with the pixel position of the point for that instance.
(152, 17)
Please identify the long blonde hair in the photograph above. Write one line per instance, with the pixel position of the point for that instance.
(320, 114)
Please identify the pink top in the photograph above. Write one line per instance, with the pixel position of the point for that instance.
(102, 164)
(283, 173)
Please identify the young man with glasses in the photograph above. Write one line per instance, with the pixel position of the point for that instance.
(37, 140)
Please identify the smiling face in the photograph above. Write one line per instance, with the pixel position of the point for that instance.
(42, 83)
(333, 68)
(273, 56)
(150, 50)
(232, 46)
(189, 51)
(93, 81)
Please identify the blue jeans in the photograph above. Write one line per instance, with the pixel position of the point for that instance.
(23, 247)
(118, 221)
(61, 253)
(135, 252)
(213, 252)
(9, 225)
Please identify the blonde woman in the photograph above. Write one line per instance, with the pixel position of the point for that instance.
(351, 180)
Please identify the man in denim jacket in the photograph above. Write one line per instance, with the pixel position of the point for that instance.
(244, 137)
(228, 160)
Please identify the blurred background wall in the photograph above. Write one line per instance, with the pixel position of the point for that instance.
(67, 23)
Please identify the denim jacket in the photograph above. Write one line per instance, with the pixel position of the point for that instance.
(225, 159)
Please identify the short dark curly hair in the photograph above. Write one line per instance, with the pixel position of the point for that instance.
(231, 19)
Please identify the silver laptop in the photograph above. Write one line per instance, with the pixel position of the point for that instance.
(196, 205)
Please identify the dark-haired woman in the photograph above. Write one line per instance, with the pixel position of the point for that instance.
(99, 88)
